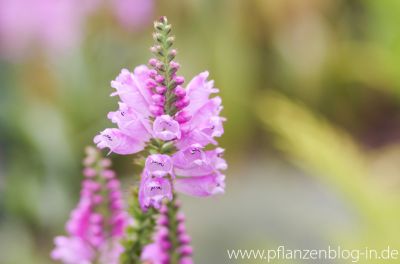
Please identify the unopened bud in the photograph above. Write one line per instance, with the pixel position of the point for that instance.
(157, 37)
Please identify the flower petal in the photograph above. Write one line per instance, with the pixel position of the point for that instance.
(131, 88)
(118, 142)
(201, 186)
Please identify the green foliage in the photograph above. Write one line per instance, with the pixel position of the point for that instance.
(314, 144)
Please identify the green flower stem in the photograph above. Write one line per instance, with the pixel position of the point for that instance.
(173, 231)
(162, 50)
(139, 235)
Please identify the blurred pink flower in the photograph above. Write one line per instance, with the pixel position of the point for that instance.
(133, 14)
(58, 25)
(53, 25)
(97, 224)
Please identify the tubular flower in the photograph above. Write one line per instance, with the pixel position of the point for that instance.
(98, 221)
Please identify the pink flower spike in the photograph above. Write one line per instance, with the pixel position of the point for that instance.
(92, 225)
(166, 128)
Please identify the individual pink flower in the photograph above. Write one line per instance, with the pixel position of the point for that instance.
(132, 89)
(166, 128)
(131, 123)
(199, 90)
(194, 161)
(158, 165)
(201, 186)
(204, 123)
(118, 142)
(153, 190)
(198, 172)
(191, 161)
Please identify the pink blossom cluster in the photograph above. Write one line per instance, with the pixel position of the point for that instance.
(192, 170)
(158, 252)
(142, 116)
(97, 223)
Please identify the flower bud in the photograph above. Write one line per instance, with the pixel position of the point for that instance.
(179, 80)
(180, 92)
(159, 78)
(161, 89)
(157, 37)
(158, 25)
(150, 83)
(158, 99)
(174, 65)
(182, 103)
(153, 62)
(152, 72)
(182, 117)
(156, 110)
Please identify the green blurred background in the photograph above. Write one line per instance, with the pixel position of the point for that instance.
(311, 91)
